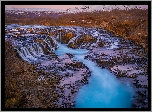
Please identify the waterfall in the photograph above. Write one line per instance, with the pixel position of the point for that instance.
(51, 42)
(30, 53)
(33, 52)
(74, 39)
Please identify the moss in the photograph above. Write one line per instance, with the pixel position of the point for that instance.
(72, 45)
(22, 89)
(124, 23)
(100, 44)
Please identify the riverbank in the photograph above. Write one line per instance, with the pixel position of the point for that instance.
(129, 24)
(22, 88)
(128, 61)
(127, 67)
(52, 83)
(73, 75)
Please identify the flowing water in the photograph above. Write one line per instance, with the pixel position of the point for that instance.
(103, 90)
(64, 49)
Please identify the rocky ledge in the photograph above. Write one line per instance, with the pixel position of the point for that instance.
(128, 65)
(72, 74)
(50, 84)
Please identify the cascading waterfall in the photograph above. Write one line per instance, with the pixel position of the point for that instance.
(99, 93)
(30, 53)
(33, 52)
(74, 39)
(77, 30)
(54, 41)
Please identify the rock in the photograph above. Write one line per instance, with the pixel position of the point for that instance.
(38, 40)
(72, 91)
(72, 45)
(70, 55)
(100, 44)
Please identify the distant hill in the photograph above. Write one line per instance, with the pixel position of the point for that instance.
(89, 8)
(86, 8)
(130, 24)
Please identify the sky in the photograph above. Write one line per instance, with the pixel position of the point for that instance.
(144, 6)
(62, 7)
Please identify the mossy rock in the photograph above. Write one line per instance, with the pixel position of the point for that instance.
(101, 44)
(73, 46)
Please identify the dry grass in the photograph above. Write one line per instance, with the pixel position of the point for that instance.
(129, 24)
(22, 89)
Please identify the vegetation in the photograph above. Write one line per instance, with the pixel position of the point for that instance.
(22, 88)
(83, 39)
(64, 36)
(130, 24)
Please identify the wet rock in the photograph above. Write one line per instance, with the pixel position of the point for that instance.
(83, 41)
(60, 87)
(100, 44)
(72, 91)
(38, 40)
(72, 45)
(70, 55)
(65, 36)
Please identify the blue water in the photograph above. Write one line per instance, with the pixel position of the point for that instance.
(64, 49)
(103, 90)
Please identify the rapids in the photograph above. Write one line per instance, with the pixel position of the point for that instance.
(103, 90)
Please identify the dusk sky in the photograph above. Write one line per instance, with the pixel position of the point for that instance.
(63, 7)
